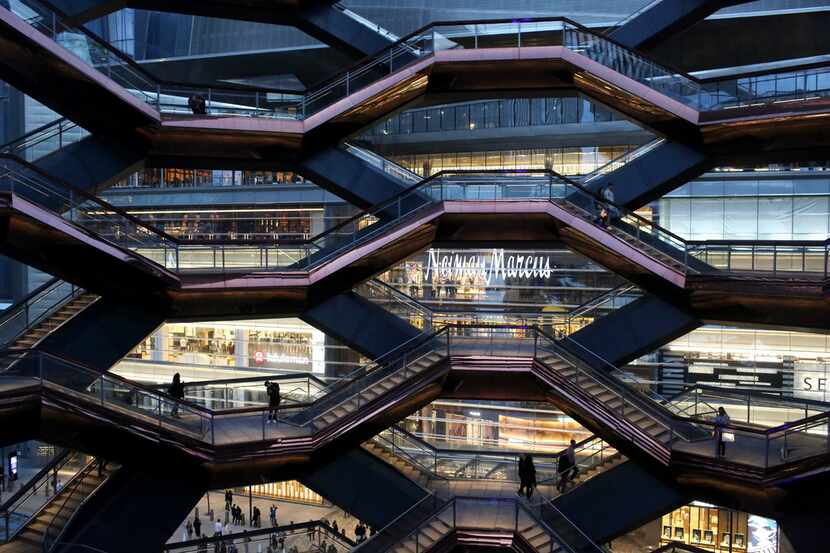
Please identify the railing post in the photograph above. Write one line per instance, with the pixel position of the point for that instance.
(515, 515)
(475, 36)
(519, 40)
(347, 81)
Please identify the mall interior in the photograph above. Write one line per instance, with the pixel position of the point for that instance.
(596, 323)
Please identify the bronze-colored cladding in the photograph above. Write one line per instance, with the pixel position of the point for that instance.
(780, 302)
(40, 245)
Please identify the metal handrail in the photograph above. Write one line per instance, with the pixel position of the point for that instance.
(76, 484)
(621, 376)
(87, 197)
(592, 545)
(12, 145)
(368, 64)
(625, 158)
(315, 524)
(594, 303)
(135, 66)
(31, 488)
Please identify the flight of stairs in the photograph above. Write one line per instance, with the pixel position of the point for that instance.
(377, 389)
(607, 464)
(428, 534)
(539, 538)
(608, 397)
(31, 537)
(639, 245)
(405, 467)
(35, 334)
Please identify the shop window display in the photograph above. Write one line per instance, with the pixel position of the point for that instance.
(719, 530)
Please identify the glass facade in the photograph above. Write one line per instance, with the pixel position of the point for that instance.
(196, 178)
(565, 161)
(758, 205)
(495, 114)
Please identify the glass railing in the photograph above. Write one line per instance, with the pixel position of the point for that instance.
(484, 515)
(379, 162)
(238, 393)
(127, 232)
(31, 499)
(460, 464)
(190, 420)
(620, 161)
(372, 26)
(746, 406)
(623, 402)
(34, 309)
(633, 15)
(771, 257)
(163, 96)
(71, 499)
(87, 211)
(170, 98)
(44, 140)
(678, 430)
(598, 307)
(563, 527)
(397, 303)
(657, 426)
(404, 524)
(292, 536)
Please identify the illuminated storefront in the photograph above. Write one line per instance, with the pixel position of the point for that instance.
(506, 426)
(565, 161)
(288, 491)
(560, 281)
(232, 349)
(719, 530)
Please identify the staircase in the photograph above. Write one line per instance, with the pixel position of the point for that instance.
(33, 335)
(626, 227)
(539, 539)
(405, 467)
(405, 371)
(430, 532)
(635, 416)
(607, 464)
(56, 514)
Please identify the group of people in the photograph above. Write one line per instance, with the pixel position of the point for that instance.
(566, 467)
